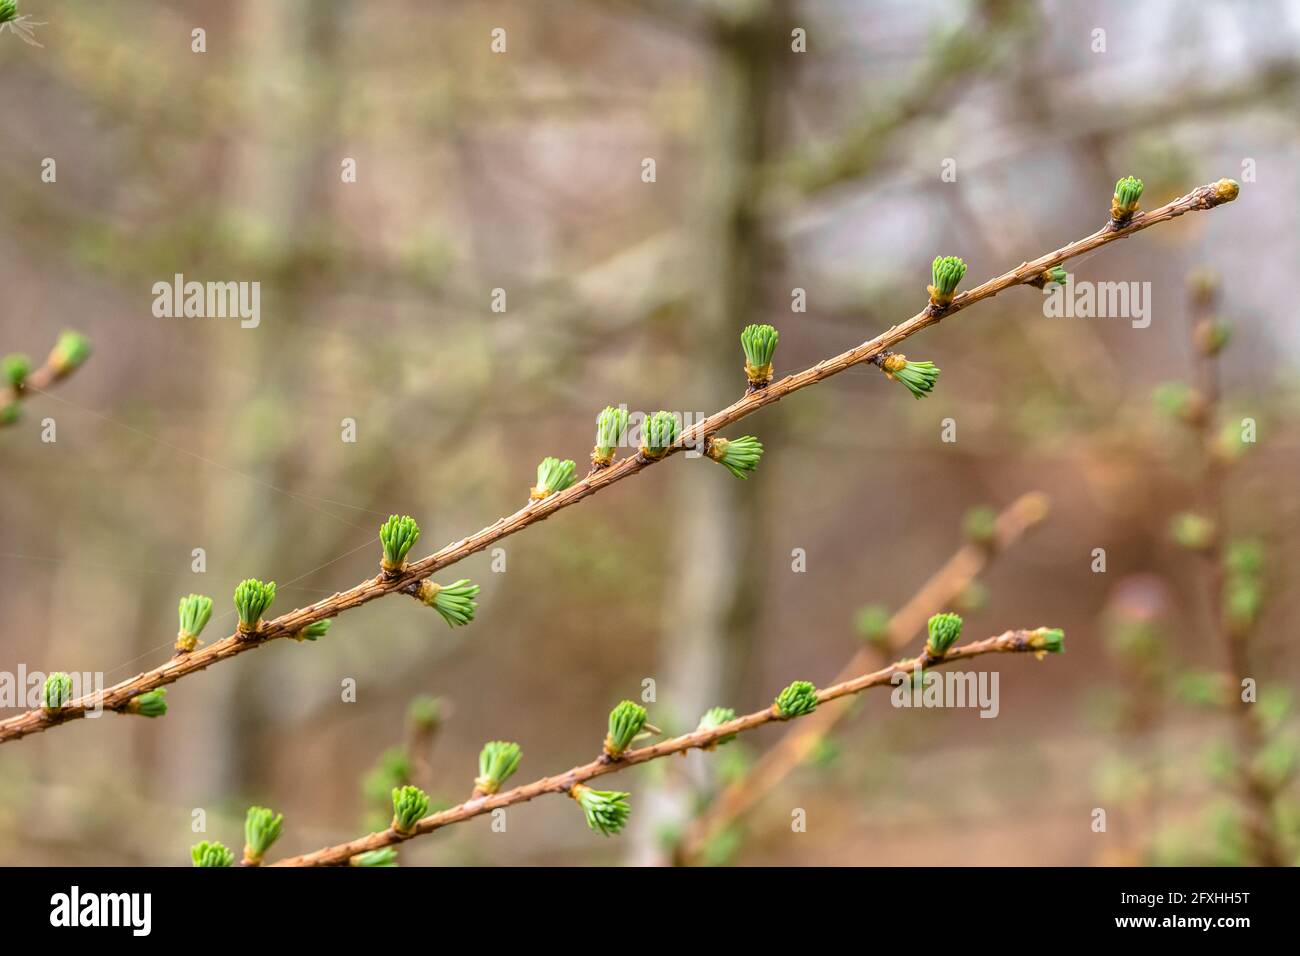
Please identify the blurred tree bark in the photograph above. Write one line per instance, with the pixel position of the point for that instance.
(714, 608)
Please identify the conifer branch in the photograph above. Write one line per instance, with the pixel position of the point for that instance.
(413, 572)
(1039, 641)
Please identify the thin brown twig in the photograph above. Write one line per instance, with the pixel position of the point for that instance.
(115, 697)
(1010, 642)
(1256, 796)
(956, 574)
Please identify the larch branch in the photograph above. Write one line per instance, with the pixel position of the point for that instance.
(1010, 642)
(115, 697)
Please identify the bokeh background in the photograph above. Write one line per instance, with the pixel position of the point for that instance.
(522, 171)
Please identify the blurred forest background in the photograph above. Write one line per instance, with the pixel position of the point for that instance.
(775, 170)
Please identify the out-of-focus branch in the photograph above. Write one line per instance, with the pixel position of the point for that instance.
(791, 750)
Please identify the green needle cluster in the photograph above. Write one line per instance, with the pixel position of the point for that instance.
(611, 424)
(796, 700)
(552, 475)
(740, 456)
(195, 611)
(715, 717)
(759, 344)
(919, 377)
(56, 692)
(398, 535)
(945, 273)
(605, 810)
(658, 432)
(152, 703)
(314, 631)
(626, 721)
(212, 854)
(455, 602)
(944, 630)
(409, 805)
(1125, 201)
(496, 762)
(261, 829)
(385, 856)
(252, 598)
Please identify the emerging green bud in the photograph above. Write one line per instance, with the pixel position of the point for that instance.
(195, 611)
(605, 810)
(759, 344)
(1243, 601)
(15, 369)
(10, 413)
(455, 602)
(1192, 531)
(1047, 640)
(980, 526)
(872, 623)
(1211, 336)
(626, 721)
(716, 717)
(496, 762)
(57, 691)
(974, 597)
(919, 377)
(945, 272)
(1125, 202)
(71, 350)
(1245, 556)
(385, 856)
(740, 456)
(658, 432)
(1179, 400)
(1056, 274)
(1226, 190)
(212, 854)
(398, 535)
(1203, 286)
(796, 700)
(552, 475)
(425, 711)
(1229, 444)
(151, 703)
(261, 829)
(252, 598)
(409, 805)
(944, 631)
(8, 10)
(313, 631)
(610, 426)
